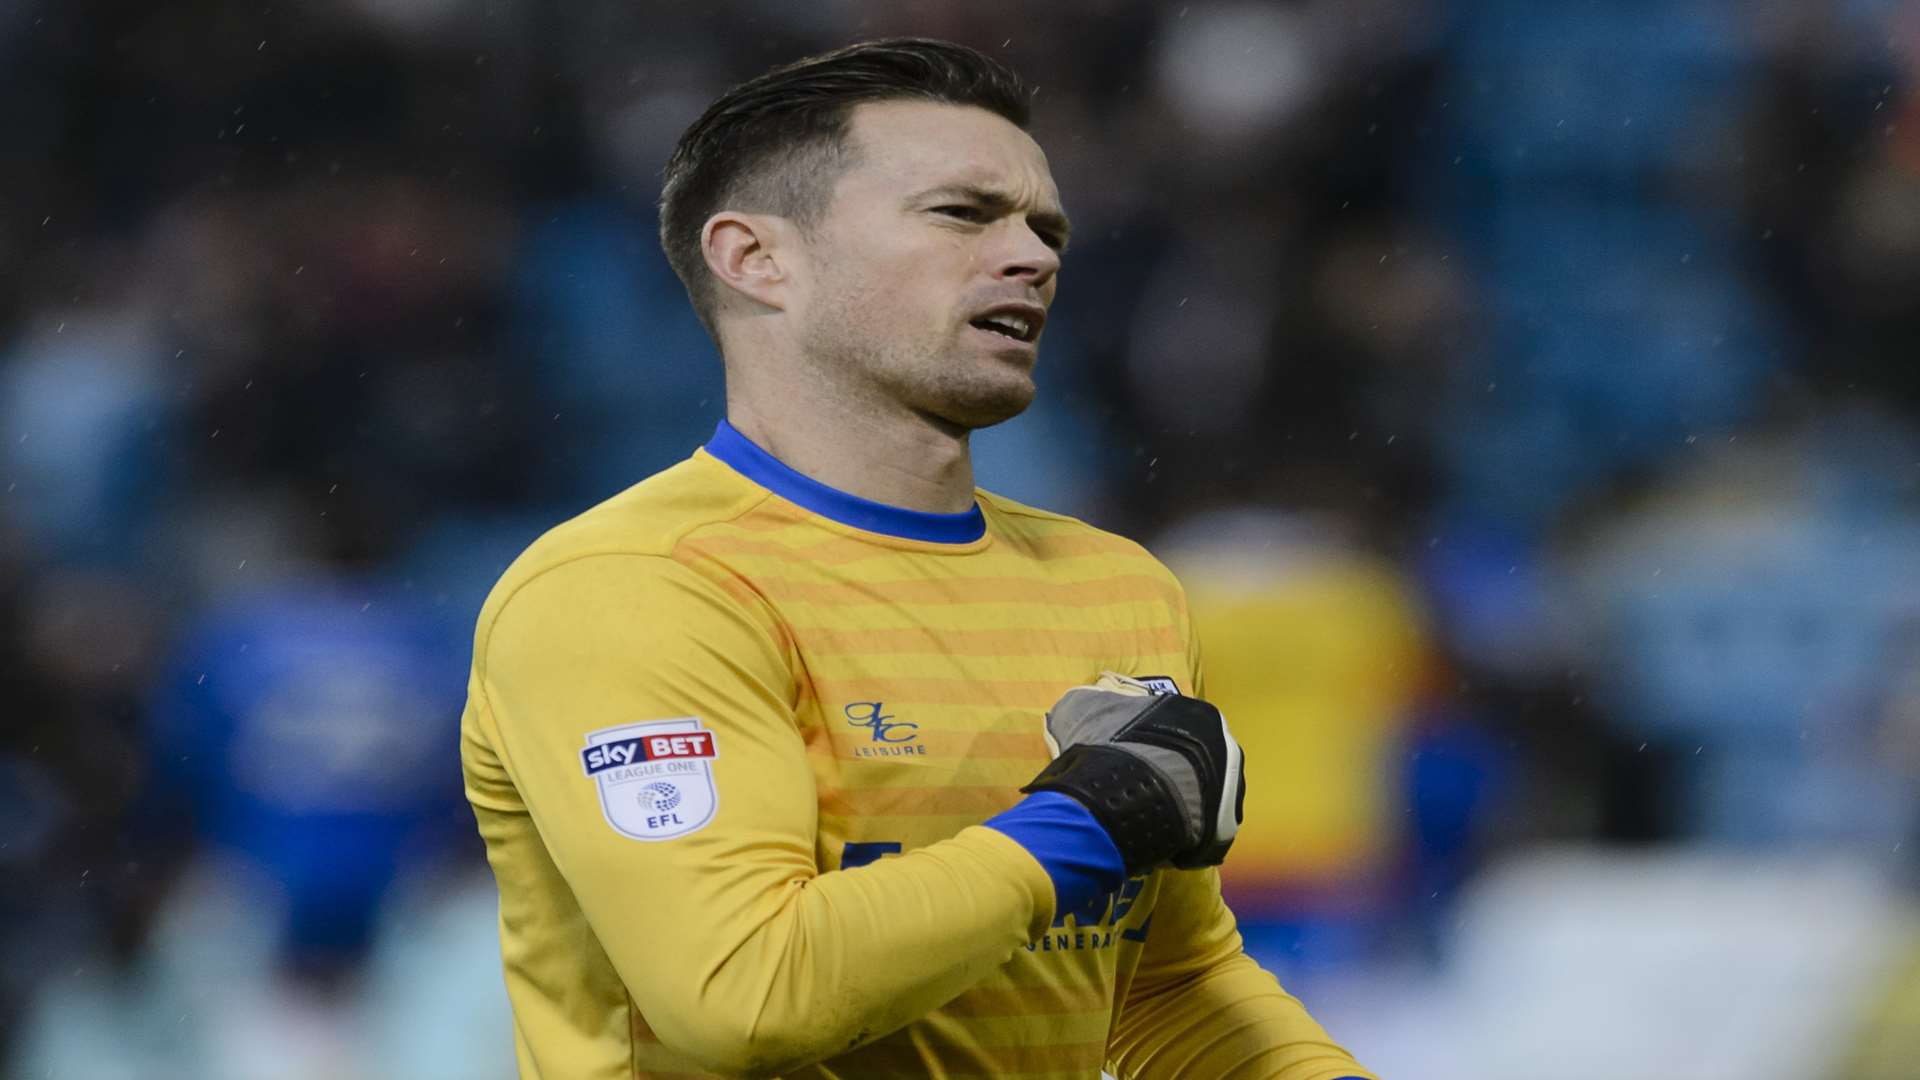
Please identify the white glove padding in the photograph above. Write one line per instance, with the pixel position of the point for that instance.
(1160, 772)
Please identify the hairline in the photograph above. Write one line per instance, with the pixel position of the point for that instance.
(841, 149)
(795, 174)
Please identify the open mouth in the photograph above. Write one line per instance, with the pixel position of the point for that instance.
(1020, 324)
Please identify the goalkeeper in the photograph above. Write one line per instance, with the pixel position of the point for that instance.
(785, 758)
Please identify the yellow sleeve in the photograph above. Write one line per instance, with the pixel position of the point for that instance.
(736, 949)
(1199, 1006)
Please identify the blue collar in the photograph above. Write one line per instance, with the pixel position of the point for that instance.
(750, 461)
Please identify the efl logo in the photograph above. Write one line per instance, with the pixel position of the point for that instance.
(655, 778)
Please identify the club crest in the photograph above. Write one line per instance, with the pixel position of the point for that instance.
(655, 778)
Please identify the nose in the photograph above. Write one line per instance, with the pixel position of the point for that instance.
(1023, 256)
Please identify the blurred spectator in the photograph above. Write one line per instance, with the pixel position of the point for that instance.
(1317, 655)
(1752, 617)
(301, 730)
(210, 999)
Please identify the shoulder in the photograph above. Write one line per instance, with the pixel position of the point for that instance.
(631, 543)
(1053, 535)
(651, 517)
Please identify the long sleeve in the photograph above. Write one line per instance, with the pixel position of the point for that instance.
(1199, 1006)
(735, 948)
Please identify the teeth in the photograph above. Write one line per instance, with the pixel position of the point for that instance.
(1014, 325)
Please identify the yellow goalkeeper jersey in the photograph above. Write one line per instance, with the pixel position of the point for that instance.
(729, 739)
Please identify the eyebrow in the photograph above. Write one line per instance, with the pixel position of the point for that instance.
(999, 202)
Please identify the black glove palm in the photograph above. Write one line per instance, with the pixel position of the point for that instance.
(1160, 772)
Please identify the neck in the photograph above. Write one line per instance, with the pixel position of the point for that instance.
(879, 451)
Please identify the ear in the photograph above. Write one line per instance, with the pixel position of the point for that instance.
(746, 252)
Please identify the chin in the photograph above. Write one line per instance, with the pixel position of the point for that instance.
(982, 406)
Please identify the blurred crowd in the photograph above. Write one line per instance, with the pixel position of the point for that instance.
(1528, 394)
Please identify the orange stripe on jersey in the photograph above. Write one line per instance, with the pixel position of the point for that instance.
(742, 591)
(901, 691)
(917, 801)
(812, 545)
(1091, 644)
(773, 514)
(1076, 543)
(1109, 591)
(820, 549)
(764, 549)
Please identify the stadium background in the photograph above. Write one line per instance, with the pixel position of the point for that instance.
(1526, 391)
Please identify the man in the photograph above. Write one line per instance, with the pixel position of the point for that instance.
(748, 742)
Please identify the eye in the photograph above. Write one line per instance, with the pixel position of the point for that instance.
(1052, 239)
(962, 212)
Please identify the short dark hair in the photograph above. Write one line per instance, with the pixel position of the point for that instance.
(776, 143)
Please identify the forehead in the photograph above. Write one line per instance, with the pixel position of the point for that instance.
(925, 144)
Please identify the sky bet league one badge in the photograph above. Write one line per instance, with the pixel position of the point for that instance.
(655, 778)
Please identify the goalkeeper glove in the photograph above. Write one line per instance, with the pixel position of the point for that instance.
(1160, 772)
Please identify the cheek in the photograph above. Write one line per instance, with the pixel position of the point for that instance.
(909, 285)
(916, 292)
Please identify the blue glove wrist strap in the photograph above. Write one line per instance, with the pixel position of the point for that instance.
(1076, 852)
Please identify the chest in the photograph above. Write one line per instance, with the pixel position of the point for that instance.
(923, 692)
